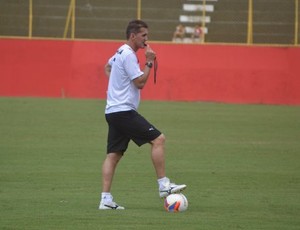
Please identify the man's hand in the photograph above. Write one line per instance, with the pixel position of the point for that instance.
(107, 70)
(150, 54)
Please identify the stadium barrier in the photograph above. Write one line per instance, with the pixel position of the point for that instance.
(217, 73)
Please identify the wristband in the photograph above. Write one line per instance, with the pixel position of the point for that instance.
(149, 64)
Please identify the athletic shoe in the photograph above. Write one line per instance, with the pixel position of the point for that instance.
(110, 205)
(171, 188)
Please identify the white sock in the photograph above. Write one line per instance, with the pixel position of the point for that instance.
(162, 182)
(106, 196)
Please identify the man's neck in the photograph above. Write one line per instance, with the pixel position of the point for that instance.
(132, 46)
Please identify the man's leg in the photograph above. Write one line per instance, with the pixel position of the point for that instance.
(158, 159)
(158, 156)
(108, 170)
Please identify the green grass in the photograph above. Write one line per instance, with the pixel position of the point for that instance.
(241, 164)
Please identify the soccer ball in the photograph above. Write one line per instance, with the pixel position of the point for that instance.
(176, 203)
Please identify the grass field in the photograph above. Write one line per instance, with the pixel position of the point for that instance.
(241, 164)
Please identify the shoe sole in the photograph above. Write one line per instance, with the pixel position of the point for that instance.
(177, 189)
(107, 207)
(111, 208)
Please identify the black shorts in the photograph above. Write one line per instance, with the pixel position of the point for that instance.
(126, 126)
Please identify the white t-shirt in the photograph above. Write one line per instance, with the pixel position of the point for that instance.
(122, 94)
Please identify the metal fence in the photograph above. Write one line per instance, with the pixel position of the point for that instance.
(220, 21)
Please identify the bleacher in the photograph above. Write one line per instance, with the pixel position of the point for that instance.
(225, 20)
(273, 21)
(14, 18)
(193, 13)
(229, 22)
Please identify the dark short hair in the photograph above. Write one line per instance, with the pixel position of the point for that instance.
(135, 26)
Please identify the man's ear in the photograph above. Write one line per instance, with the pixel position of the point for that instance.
(132, 36)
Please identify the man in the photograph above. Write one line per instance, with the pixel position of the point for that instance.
(126, 79)
(179, 33)
(197, 35)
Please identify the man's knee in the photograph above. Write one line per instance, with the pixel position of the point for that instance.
(114, 157)
(160, 140)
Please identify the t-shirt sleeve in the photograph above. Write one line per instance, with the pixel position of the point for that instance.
(132, 66)
(110, 61)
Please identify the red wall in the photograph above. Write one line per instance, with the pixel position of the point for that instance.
(234, 74)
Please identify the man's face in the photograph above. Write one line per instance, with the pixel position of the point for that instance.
(140, 38)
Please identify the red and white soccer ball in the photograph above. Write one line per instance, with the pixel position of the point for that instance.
(176, 203)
